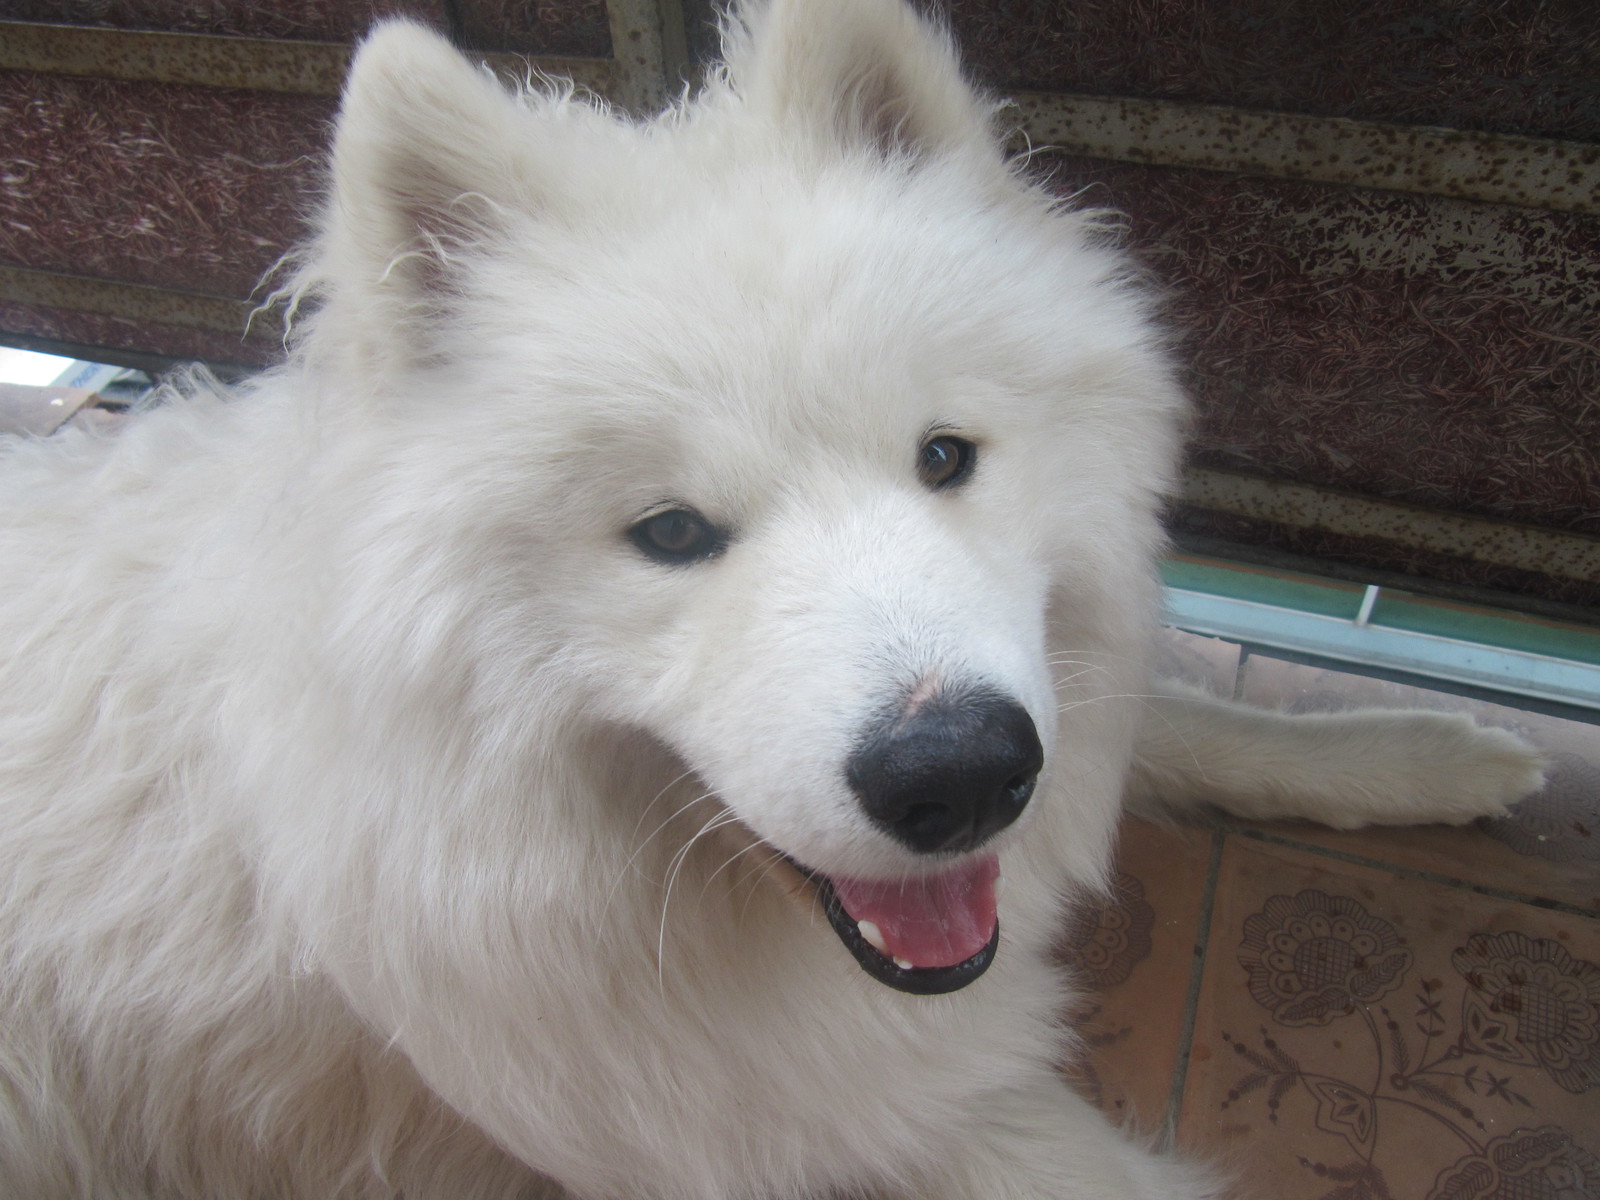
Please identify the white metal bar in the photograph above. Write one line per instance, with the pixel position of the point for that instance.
(1517, 672)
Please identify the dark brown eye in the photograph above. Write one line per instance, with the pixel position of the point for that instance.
(946, 461)
(677, 535)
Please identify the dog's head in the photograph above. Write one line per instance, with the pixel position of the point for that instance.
(794, 428)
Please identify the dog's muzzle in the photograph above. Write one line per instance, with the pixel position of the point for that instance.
(941, 778)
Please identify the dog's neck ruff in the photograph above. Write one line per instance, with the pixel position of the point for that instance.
(927, 935)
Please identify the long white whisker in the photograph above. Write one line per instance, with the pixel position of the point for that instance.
(1066, 655)
(1144, 699)
(674, 869)
(726, 863)
(1072, 704)
(644, 845)
(763, 867)
(1061, 683)
(656, 799)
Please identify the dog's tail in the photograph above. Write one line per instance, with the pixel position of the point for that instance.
(1372, 767)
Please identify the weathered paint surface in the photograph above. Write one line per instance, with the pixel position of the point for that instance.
(315, 68)
(162, 306)
(136, 332)
(1499, 169)
(570, 27)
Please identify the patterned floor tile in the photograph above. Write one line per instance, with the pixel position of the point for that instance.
(1134, 956)
(1365, 1035)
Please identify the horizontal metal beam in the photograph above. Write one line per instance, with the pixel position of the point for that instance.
(1494, 168)
(136, 302)
(262, 64)
(1469, 664)
(1302, 506)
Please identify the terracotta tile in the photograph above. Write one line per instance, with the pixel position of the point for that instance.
(1549, 848)
(1135, 957)
(1363, 1034)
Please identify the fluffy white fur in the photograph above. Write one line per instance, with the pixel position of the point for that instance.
(376, 820)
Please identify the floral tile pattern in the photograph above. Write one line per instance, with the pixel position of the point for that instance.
(1365, 1035)
(1399, 1014)
(1133, 955)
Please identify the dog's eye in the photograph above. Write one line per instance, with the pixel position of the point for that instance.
(677, 535)
(945, 461)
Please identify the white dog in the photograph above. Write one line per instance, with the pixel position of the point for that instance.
(562, 733)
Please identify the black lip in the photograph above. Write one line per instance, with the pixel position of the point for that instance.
(918, 981)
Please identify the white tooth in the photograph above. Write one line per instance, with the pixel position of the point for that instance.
(999, 887)
(874, 936)
(903, 964)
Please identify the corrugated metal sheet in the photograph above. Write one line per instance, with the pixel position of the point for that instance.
(164, 306)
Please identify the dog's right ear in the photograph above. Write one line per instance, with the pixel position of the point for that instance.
(428, 150)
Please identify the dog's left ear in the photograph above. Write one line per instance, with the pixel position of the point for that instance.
(859, 74)
(429, 152)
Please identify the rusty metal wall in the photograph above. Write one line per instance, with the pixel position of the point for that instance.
(194, 189)
(1378, 223)
(159, 156)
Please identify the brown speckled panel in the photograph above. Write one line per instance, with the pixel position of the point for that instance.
(1431, 351)
(121, 333)
(315, 20)
(536, 26)
(194, 188)
(1508, 66)
(1375, 554)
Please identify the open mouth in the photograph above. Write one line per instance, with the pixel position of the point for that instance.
(927, 935)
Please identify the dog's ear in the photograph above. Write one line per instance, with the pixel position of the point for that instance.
(428, 150)
(858, 73)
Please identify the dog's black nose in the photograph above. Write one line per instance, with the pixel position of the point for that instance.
(951, 775)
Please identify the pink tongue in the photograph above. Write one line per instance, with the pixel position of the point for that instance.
(937, 921)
